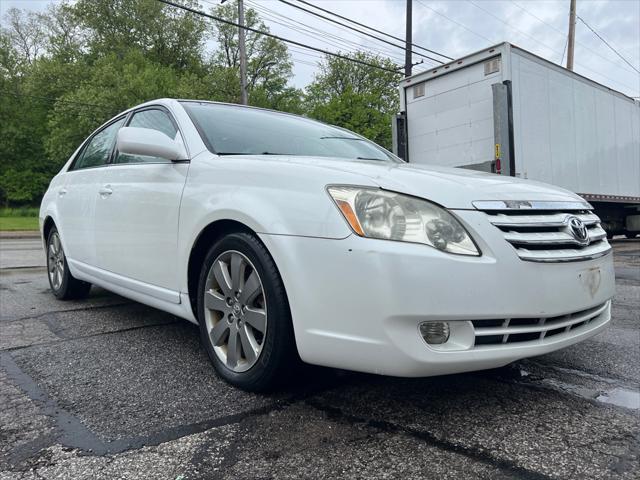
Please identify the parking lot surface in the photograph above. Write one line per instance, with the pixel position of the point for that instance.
(108, 388)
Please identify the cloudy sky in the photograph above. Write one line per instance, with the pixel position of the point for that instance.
(458, 27)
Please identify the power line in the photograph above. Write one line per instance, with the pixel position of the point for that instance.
(316, 33)
(534, 39)
(359, 31)
(607, 44)
(277, 37)
(373, 29)
(564, 35)
(454, 21)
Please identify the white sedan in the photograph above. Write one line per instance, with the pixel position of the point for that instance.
(284, 239)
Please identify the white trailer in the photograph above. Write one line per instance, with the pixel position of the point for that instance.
(507, 111)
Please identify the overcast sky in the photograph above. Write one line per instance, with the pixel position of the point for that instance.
(458, 27)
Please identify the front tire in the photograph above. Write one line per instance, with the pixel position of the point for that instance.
(244, 316)
(63, 285)
(631, 235)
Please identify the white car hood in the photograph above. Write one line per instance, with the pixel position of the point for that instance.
(451, 187)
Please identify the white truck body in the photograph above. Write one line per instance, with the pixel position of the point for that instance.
(508, 111)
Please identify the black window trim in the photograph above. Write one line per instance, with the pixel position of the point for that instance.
(72, 166)
(162, 108)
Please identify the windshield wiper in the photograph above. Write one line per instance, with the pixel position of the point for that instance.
(371, 158)
(343, 138)
(249, 153)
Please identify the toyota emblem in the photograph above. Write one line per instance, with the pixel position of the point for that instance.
(578, 229)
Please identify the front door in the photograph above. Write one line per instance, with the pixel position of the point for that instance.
(136, 220)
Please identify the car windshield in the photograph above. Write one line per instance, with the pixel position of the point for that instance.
(235, 130)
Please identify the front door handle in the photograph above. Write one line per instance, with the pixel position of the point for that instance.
(106, 190)
(62, 192)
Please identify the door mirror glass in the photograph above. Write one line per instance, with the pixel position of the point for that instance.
(149, 142)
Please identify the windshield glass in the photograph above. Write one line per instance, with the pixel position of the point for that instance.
(235, 130)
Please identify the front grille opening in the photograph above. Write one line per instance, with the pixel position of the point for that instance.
(487, 323)
(553, 332)
(510, 331)
(523, 337)
(523, 321)
(540, 235)
(489, 340)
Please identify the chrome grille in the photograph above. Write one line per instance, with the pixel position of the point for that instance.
(543, 232)
(518, 330)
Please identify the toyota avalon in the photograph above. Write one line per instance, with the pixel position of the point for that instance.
(287, 239)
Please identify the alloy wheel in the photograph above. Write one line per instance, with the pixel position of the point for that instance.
(235, 311)
(55, 261)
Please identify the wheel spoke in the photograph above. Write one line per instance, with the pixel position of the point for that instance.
(221, 273)
(217, 333)
(238, 267)
(257, 318)
(251, 289)
(56, 243)
(250, 351)
(233, 349)
(215, 301)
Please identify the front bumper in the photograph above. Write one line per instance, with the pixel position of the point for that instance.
(356, 303)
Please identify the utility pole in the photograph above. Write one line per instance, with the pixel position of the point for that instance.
(572, 34)
(243, 55)
(408, 41)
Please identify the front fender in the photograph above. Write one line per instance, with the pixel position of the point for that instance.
(278, 199)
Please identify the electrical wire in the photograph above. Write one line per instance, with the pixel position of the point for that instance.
(317, 34)
(607, 43)
(359, 31)
(564, 35)
(456, 22)
(618, 82)
(373, 29)
(277, 37)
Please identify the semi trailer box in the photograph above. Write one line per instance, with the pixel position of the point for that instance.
(507, 111)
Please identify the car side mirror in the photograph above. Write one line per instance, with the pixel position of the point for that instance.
(146, 141)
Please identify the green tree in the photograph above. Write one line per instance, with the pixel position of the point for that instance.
(164, 34)
(354, 96)
(269, 65)
(115, 83)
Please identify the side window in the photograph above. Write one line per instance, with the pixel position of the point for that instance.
(98, 149)
(154, 119)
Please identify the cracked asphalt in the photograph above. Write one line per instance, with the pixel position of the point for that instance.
(108, 388)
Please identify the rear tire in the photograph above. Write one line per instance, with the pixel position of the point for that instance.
(244, 316)
(63, 285)
(631, 235)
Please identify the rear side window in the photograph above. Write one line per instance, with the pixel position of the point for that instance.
(97, 151)
(155, 119)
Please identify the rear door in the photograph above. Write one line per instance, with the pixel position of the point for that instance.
(136, 216)
(77, 197)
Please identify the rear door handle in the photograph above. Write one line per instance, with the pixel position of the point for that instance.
(62, 192)
(106, 190)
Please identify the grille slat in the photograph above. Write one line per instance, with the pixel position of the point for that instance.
(544, 219)
(545, 234)
(542, 324)
(551, 237)
(488, 334)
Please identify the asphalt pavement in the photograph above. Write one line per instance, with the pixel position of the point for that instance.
(108, 388)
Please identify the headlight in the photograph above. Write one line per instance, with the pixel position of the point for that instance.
(376, 213)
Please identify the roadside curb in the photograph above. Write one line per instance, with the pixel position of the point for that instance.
(19, 234)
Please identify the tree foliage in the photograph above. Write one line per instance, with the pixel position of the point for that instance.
(68, 70)
(356, 96)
